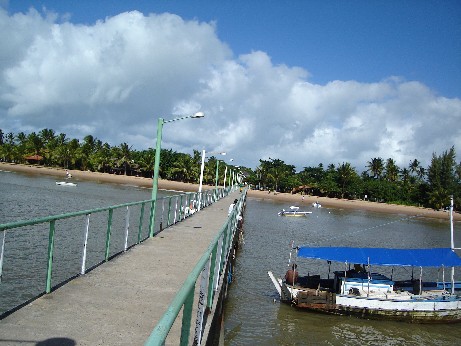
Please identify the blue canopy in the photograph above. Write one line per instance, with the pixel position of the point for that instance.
(435, 257)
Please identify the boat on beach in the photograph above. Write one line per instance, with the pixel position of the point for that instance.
(294, 211)
(357, 289)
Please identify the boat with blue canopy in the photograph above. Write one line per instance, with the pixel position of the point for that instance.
(357, 289)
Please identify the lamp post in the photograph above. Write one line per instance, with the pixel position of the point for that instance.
(225, 174)
(158, 146)
(201, 173)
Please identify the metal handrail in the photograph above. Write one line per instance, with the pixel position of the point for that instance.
(210, 267)
(181, 208)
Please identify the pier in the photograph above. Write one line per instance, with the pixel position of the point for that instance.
(123, 300)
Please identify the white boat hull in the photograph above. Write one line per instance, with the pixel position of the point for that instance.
(434, 306)
(65, 183)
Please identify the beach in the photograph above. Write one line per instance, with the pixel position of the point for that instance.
(289, 199)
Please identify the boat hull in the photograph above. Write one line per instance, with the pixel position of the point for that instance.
(431, 307)
(380, 309)
(295, 214)
(64, 183)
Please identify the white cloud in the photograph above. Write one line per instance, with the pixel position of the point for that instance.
(114, 79)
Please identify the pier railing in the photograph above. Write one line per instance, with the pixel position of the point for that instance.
(211, 270)
(42, 254)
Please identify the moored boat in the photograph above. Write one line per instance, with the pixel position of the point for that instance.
(316, 205)
(294, 211)
(357, 289)
(65, 183)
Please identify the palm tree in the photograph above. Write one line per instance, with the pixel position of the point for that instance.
(345, 176)
(442, 178)
(60, 155)
(376, 166)
(392, 170)
(86, 150)
(183, 168)
(20, 150)
(414, 166)
(49, 144)
(124, 158)
(35, 143)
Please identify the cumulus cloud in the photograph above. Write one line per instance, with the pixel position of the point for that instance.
(115, 78)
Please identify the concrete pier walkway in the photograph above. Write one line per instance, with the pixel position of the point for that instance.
(121, 301)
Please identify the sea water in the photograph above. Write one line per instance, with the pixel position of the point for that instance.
(253, 314)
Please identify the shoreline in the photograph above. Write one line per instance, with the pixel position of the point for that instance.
(261, 195)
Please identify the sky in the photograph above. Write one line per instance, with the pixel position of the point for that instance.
(306, 82)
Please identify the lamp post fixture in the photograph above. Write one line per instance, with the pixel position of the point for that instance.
(158, 146)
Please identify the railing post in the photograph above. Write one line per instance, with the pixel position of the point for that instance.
(189, 203)
(85, 243)
(218, 266)
(175, 209)
(109, 228)
(213, 275)
(201, 303)
(50, 256)
(152, 219)
(1, 255)
(187, 318)
(127, 226)
(169, 212)
(141, 218)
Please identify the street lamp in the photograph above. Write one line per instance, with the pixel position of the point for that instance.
(225, 174)
(201, 172)
(160, 123)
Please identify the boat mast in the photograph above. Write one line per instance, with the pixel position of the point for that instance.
(452, 245)
(451, 224)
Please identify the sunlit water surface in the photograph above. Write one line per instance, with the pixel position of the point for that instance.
(253, 313)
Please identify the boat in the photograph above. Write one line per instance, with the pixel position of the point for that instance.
(316, 205)
(357, 290)
(294, 211)
(65, 183)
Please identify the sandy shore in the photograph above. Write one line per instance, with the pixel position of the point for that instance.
(289, 199)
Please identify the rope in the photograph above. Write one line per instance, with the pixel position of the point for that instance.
(342, 235)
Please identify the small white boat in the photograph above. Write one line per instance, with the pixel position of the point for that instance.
(316, 205)
(65, 183)
(294, 211)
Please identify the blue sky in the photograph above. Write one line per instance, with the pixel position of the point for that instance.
(353, 79)
(365, 41)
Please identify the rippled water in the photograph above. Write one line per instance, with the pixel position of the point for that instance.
(253, 314)
(29, 196)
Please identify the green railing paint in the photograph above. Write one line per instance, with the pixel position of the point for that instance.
(50, 255)
(18, 226)
(108, 234)
(151, 219)
(216, 260)
(141, 218)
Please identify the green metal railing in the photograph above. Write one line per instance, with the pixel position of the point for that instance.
(173, 209)
(210, 269)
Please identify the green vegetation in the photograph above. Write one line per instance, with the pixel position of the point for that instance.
(383, 181)
(49, 149)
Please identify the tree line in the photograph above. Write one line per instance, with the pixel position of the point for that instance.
(382, 181)
(57, 150)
